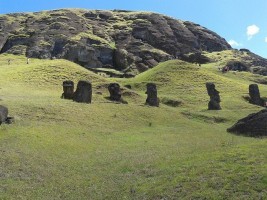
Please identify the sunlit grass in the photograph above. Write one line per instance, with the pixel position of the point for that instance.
(59, 149)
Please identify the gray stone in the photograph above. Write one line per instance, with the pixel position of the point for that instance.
(254, 125)
(254, 94)
(68, 89)
(214, 103)
(83, 93)
(115, 92)
(3, 114)
(152, 95)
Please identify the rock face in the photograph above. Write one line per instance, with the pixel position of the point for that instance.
(68, 89)
(237, 66)
(253, 125)
(123, 40)
(83, 93)
(214, 103)
(152, 95)
(254, 94)
(3, 114)
(115, 92)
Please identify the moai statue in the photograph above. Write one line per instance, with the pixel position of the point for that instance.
(214, 103)
(115, 92)
(3, 114)
(152, 96)
(68, 89)
(254, 94)
(83, 93)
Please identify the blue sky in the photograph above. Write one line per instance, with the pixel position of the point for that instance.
(243, 23)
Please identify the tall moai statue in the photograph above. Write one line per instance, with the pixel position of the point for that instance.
(254, 94)
(152, 95)
(83, 93)
(68, 89)
(214, 103)
(115, 92)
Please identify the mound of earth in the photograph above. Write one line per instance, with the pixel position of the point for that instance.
(240, 60)
(130, 42)
(253, 125)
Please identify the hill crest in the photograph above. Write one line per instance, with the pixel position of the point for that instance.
(128, 41)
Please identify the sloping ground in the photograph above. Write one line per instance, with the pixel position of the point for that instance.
(58, 149)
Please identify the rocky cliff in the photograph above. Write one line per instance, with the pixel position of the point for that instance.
(123, 40)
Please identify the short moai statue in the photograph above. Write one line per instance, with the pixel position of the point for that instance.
(3, 114)
(115, 92)
(254, 94)
(83, 93)
(152, 95)
(68, 89)
(214, 103)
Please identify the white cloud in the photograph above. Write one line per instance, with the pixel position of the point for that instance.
(234, 43)
(265, 39)
(252, 30)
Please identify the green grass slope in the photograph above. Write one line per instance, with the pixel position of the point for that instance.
(59, 149)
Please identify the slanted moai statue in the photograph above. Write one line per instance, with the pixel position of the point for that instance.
(83, 93)
(68, 89)
(115, 92)
(152, 96)
(3, 114)
(214, 103)
(254, 94)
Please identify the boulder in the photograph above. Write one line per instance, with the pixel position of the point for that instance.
(115, 92)
(237, 66)
(68, 89)
(214, 103)
(254, 94)
(195, 58)
(3, 114)
(152, 96)
(83, 93)
(253, 125)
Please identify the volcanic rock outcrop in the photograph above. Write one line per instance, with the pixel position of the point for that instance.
(131, 42)
(254, 125)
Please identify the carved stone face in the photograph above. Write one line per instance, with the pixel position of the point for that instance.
(151, 90)
(83, 92)
(114, 91)
(68, 89)
(254, 90)
(152, 96)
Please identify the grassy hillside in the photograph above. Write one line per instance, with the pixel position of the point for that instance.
(59, 149)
